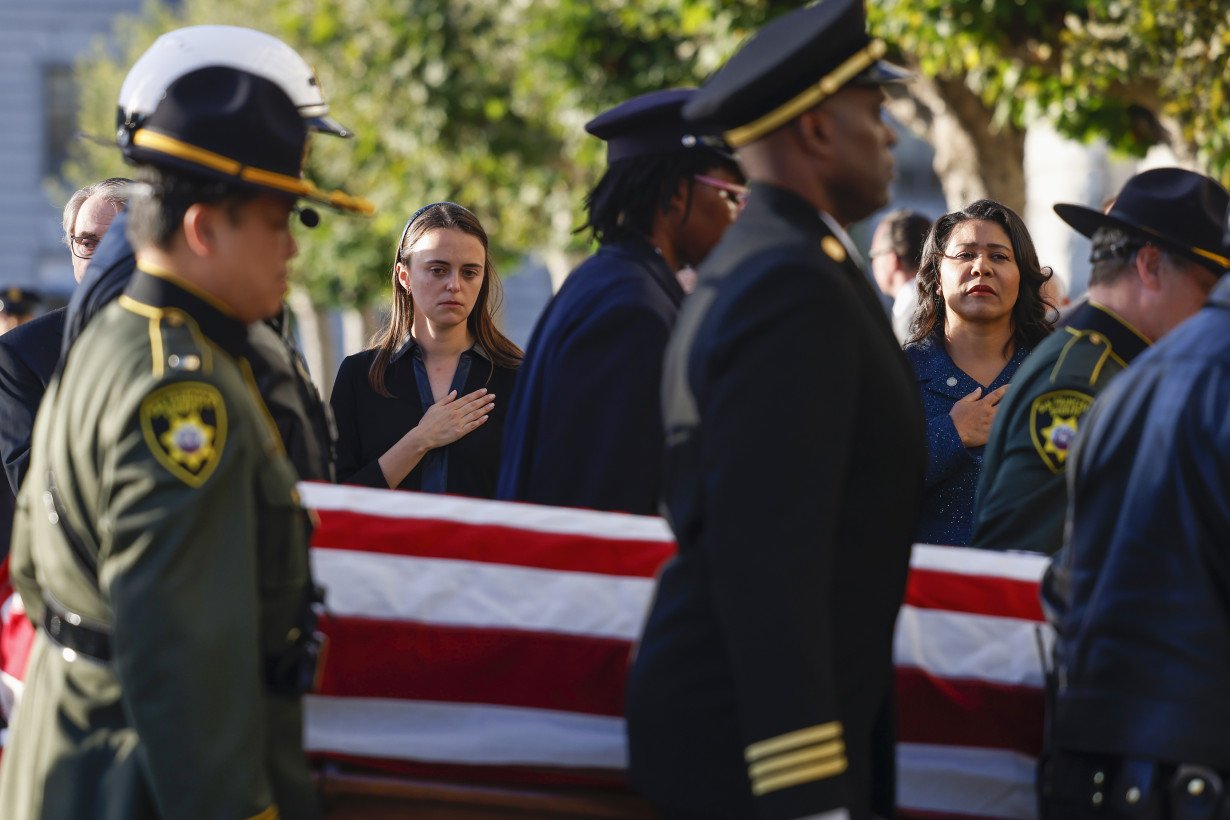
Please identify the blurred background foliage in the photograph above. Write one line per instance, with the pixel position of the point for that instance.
(484, 101)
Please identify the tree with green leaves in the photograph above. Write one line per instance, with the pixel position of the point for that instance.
(1133, 72)
(481, 101)
(484, 101)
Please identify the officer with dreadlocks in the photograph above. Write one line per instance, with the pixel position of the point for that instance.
(584, 428)
(159, 543)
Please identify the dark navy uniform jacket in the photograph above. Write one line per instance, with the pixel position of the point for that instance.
(1022, 493)
(952, 468)
(1145, 637)
(794, 469)
(584, 428)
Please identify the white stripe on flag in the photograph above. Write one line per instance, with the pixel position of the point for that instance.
(963, 646)
(533, 517)
(10, 694)
(1018, 566)
(475, 734)
(469, 593)
(962, 780)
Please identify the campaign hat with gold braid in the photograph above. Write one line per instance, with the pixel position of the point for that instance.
(231, 104)
(790, 66)
(1179, 209)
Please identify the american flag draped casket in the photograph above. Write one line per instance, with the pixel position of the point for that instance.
(489, 641)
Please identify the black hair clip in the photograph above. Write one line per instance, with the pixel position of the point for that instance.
(406, 228)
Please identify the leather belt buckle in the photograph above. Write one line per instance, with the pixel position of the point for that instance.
(70, 632)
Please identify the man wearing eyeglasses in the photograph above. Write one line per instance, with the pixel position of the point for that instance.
(88, 215)
(28, 355)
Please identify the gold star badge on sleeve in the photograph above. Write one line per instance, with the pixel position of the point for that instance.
(1053, 421)
(184, 425)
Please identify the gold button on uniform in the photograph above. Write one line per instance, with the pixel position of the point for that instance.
(833, 247)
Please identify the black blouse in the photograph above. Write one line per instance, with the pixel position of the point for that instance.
(368, 424)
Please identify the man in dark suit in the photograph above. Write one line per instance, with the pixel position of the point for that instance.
(583, 427)
(29, 353)
(763, 683)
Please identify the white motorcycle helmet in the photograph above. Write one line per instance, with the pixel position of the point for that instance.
(184, 50)
(229, 103)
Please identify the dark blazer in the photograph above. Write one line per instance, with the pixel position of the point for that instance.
(1145, 637)
(794, 467)
(368, 424)
(584, 426)
(28, 357)
(947, 515)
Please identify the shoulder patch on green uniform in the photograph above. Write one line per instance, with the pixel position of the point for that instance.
(833, 247)
(184, 425)
(1053, 422)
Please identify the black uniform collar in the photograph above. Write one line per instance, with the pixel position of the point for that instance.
(1126, 341)
(786, 204)
(162, 289)
(643, 251)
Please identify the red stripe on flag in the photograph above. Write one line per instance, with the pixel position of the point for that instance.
(491, 544)
(413, 661)
(975, 594)
(968, 713)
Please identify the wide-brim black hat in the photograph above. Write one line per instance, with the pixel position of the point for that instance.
(652, 124)
(224, 123)
(1179, 209)
(788, 67)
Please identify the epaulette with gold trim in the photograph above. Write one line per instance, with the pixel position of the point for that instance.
(1087, 351)
(176, 340)
(801, 756)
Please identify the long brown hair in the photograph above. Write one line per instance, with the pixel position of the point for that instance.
(499, 348)
(1029, 315)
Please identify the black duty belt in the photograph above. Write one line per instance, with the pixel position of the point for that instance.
(70, 630)
(1078, 786)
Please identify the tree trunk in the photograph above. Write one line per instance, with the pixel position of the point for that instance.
(973, 157)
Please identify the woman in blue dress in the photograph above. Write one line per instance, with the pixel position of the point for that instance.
(980, 312)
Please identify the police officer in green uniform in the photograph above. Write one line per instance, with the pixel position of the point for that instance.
(159, 543)
(1155, 256)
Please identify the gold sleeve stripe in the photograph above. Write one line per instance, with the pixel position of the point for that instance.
(270, 813)
(794, 777)
(790, 760)
(820, 733)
